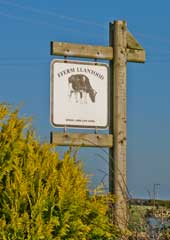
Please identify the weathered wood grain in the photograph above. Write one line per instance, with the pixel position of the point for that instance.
(137, 56)
(82, 51)
(117, 164)
(82, 139)
(132, 43)
(95, 52)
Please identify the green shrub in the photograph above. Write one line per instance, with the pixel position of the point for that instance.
(42, 196)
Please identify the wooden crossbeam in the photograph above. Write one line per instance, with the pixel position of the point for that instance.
(83, 140)
(79, 50)
(135, 54)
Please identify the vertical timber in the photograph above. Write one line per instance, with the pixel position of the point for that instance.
(117, 154)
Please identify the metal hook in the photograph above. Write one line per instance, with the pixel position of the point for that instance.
(95, 130)
(65, 129)
(65, 59)
(95, 60)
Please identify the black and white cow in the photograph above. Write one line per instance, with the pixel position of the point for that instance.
(79, 85)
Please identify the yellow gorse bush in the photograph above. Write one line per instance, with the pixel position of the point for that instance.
(42, 196)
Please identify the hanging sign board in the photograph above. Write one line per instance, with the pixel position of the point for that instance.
(79, 94)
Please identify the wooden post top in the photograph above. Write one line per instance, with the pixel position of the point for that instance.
(135, 53)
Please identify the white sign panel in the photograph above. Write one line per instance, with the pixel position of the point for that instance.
(79, 94)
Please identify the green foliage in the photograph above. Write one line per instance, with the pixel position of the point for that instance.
(165, 233)
(42, 196)
(137, 220)
(141, 228)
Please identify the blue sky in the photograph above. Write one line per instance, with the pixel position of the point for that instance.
(27, 27)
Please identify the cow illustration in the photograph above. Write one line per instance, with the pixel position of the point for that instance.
(80, 86)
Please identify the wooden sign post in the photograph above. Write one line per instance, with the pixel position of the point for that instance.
(117, 158)
(123, 48)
